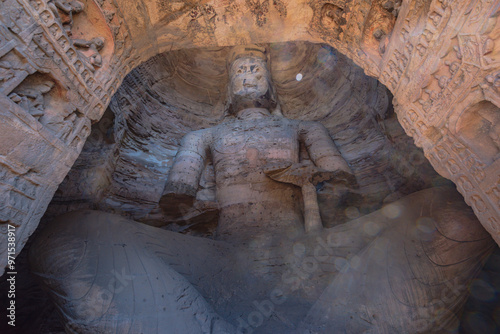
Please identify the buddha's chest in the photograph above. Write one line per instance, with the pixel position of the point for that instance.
(267, 138)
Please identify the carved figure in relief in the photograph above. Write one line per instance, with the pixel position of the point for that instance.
(442, 81)
(421, 49)
(31, 99)
(435, 18)
(253, 140)
(93, 47)
(265, 271)
(332, 17)
(62, 125)
(392, 6)
(445, 3)
(65, 10)
(452, 66)
(493, 128)
(67, 127)
(6, 71)
(381, 36)
(487, 48)
(494, 79)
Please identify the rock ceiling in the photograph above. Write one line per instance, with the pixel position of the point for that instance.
(59, 70)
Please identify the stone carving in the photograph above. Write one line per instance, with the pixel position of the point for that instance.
(378, 27)
(481, 123)
(96, 255)
(255, 138)
(392, 6)
(65, 10)
(302, 175)
(36, 96)
(19, 192)
(63, 124)
(101, 268)
(436, 95)
(31, 98)
(202, 22)
(6, 71)
(13, 70)
(494, 79)
(79, 134)
(93, 46)
(332, 17)
(42, 75)
(144, 189)
(473, 21)
(260, 9)
(57, 47)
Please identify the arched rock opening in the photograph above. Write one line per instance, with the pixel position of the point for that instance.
(435, 57)
(128, 154)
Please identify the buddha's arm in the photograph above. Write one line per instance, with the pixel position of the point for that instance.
(184, 177)
(324, 153)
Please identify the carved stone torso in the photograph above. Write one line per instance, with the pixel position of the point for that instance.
(252, 204)
(241, 147)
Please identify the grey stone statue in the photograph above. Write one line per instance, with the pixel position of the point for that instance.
(256, 142)
(272, 267)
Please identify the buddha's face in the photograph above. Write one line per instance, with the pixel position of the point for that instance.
(249, 78)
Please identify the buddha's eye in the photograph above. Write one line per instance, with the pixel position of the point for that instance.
(239, 71)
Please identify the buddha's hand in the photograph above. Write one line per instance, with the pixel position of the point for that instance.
(306, 172)
(298, 174)
(176, 204)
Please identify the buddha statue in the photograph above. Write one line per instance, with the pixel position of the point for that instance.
(272, 266)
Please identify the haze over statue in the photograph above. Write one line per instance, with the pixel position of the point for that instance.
(272, 267)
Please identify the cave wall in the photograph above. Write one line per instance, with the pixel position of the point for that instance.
(59, 70)
(127, 157)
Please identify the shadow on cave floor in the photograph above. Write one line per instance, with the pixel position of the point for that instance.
(482, 310)
(36, 314)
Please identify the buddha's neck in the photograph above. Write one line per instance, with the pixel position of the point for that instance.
(253, 113)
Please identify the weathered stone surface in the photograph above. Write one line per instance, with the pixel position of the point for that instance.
(265, 167)
(439, 59)
(62, 62)
(49, 96)
(392, 266)
(128, 157)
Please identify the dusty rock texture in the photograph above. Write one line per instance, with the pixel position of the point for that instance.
(60, 65)
(129, 153)
(383, 272)
(402, 269)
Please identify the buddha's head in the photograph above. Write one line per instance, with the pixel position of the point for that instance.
(250, 84)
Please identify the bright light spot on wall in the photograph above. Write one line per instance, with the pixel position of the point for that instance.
(298, 77)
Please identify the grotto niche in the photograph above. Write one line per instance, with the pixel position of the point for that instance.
(285, 199)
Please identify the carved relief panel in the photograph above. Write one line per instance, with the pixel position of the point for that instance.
(53, 57)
